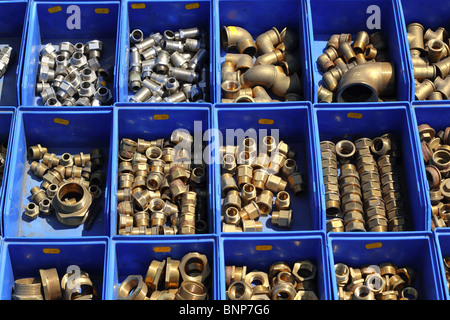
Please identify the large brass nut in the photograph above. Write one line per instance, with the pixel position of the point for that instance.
(75, 212)
(194, 261)
(132, 288)
(304, 270)
(239, 290)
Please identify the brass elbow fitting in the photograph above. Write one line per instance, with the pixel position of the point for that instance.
(268, 41)
(289, 39)
(347, 52)
(238, 37)
(270, 58)
(367, 82)
(333, 42)
(230, 89)
(260, 95)
(361, 41)
(228, 72)
(326, 59)
(242, 62)
(330, 79)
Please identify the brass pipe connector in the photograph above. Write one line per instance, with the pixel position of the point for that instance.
(238, 37)
(326, 59)
(242, 62)
(415, 36)
(267, 41)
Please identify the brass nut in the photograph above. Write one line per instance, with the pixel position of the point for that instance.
(275, 183)
(282, 201)
(282, 218)
(265, 202)
(250, 211)
(252, 226)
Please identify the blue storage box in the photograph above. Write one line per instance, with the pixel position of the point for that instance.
(415, 251)
(259, 253)
(158, 16)
(351, 123)
(128, 258)
(442, 241)
(13, 15)
(326, 18)
(433, 113)
(24, 259)
(49, 22)
(430, 14)
(296, 129)
(258, 17)
(74, 130)
(7, 116)
(152, 121)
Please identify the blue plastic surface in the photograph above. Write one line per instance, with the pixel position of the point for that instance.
(434, 113)
(158, 16)
(258, 17)
(415, 251)
(72, 130)
(352, 123)
(296, 129)
(48, 23)
(13, 15)
(24, 259)
(134, 257)
(442, 241)
(259, 253)
(430, 14)
(135, 122)
(326, 17)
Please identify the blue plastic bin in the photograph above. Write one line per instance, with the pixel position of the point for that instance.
(158, 16)
(416, 251)
(259, 253)
(153, 121)
(48, 23)
(352, 123)
(442, 241)
(434, 113)
(296, 129)
(13, 15)
(24, 259)
(128, 258)
(258, 17)
(430, 14)
(7, 115)
(73, 131)
(326, 18)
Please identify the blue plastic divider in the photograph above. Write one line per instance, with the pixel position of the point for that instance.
(49, 23)
(348, 122)
(153, 121)
(14, 18)
(134, 257)
(259, 253)
(258, 17)
(158, 16)
(73, 130)
(436, 114)
(442, 241)
(326, 18)
(416, 251)
(24, 259)
(296, 129)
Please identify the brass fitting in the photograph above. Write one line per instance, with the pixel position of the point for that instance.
(346, 50)
(296, 182)
(232, 199)
(443, 86)
(282, 218)
(244, 175)
(326, 60)
(345, 150)
(250, 211)
(239, 290)
(39, 169)
(252, 226)
(273, 57)
(335, 225)
(260, 94)
(36, 152)
(242, 62)
(231, 228)
(260, 177)
(415, 36)
(436, 50)
(360, 42)
(232, 216)
(275, 183)
(424, 89)
(248, 193)
(31, 211)
(282, 201)
(192, 262)
(238, 37)
(267, 41)
(228, 183)
(265, 202)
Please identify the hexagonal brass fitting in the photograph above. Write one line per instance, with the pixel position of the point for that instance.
(248, 193)
(297, 183)
(75, 212)
(260, 177)
(228, 183)
(252, 226)
(50, 159)
(244, 175)
(282, 201)
(31, 211)
(335, 225)
(265, 202)
(39, 169)
(275, 183)
(132, 288)
(282, 218)
(194, 261)
(231, 228)
(36, 152)
(250, 211)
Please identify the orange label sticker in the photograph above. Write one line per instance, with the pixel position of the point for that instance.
(51, 251)
(161, 116)
(263, 248)
(103, 83)
(266, 121)
(374, 245)
(61, 121)
(162, 249)
(192, 6)
(354, 115)
(55, 9)
(102, 10)
(138, 6)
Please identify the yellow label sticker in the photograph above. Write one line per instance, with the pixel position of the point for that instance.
(374, 245)
(61, 121)
(265, 121)
(162, 249)
(263, 248)
(191, 6)
(55, 9)
(51, 250)
(161, 116)
(138, 6)
(354, 115)
(233, 30)
(102, 10)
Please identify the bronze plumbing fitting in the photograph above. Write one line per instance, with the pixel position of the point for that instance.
(275, 68)
(436, 154)
(358, 72)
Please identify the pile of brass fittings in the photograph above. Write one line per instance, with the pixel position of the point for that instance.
(430, 56)
(375, 282)
(358, 72)
(49, 287)
(185, 279)
(436, 154)
(281, 282)
(366, 194)
(168, 67)
(70, 186)
(275, 67)
(6, 56)
(447, 271)
(159, 191)
(71, 75)
(250, 181)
